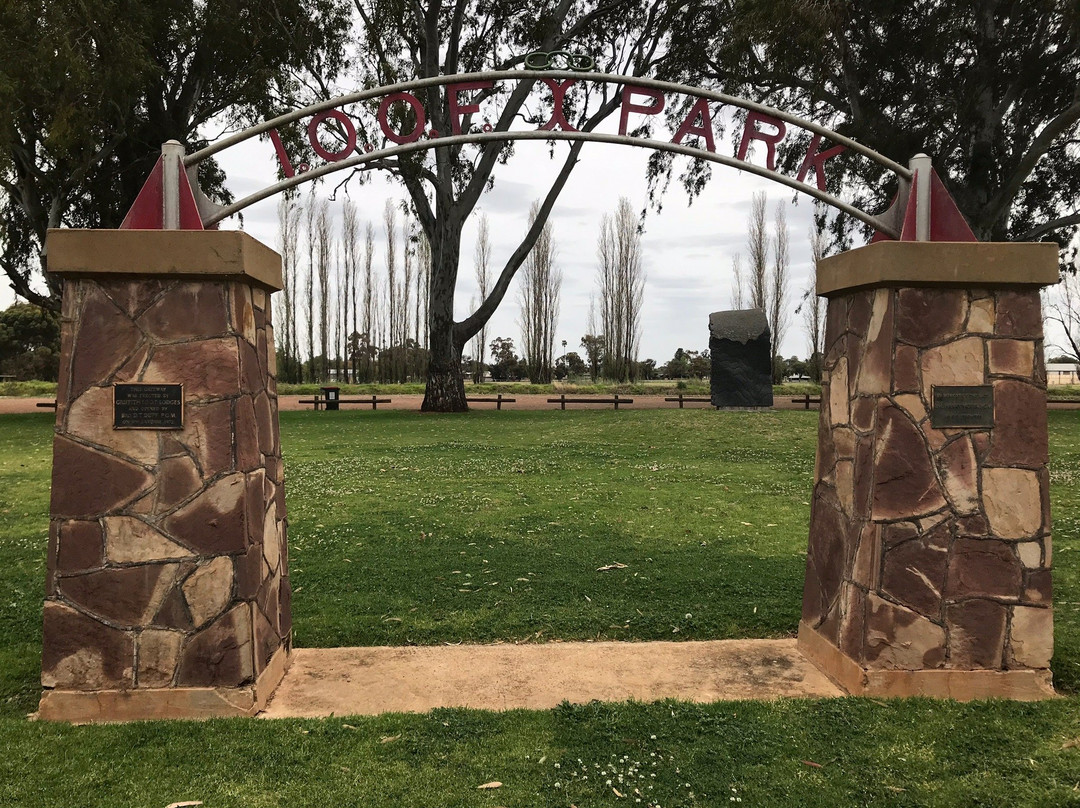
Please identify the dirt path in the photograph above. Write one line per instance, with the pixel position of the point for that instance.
(368, 681)
(13, 404)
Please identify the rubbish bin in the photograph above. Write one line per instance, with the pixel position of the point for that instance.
(331, 397)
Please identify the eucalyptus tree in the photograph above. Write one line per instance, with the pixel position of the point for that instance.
(90, 89)
(429, 38)
(988, 88)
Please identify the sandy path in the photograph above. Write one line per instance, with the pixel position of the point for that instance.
(540, 676)
(12, 404)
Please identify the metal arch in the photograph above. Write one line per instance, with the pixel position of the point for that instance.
(216, 213)
(523, 75)
(484, 137)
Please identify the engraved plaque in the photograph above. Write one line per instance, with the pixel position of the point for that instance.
(148, 406)
(953, 407)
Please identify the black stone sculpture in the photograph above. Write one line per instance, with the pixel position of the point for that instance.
(741, 361)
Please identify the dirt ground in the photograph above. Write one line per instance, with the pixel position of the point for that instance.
(368, 681)
(12, 404)
(398, 402)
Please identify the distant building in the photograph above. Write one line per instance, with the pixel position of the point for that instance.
(1062, 373)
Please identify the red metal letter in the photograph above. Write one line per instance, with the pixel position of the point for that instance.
(418, 110)
(691, 127)
(283, 158)
(457, 109)
(629, 106)
(350, 135)
(751, 132)
(558, 92)
(815, 161)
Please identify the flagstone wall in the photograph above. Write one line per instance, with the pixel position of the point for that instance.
(168, 589)
(930, 548)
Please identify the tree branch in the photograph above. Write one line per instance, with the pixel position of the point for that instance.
(1040, 146)
(1064, 221)
(468, 328)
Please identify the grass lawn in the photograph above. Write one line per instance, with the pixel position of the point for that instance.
(419, 529)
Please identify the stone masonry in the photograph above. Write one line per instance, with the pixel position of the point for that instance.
(929, 562)
(168, 589)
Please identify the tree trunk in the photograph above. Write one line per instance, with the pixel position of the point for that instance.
(445, 390)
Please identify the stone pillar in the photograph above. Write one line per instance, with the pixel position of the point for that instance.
(928, 569)
(167, 592)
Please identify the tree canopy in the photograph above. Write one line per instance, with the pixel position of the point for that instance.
(988, 88)
(90, 89)
(29, 343)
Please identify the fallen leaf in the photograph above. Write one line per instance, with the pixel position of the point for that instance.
(388, 738)
(348, 726)
(811, 763)
(617, 792)
(491, 785)
(897, 789)
(1071, 744)
(615, 566)
(746, 524)
(184, 804)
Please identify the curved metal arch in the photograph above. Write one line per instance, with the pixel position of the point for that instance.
(903, 173)
(598, 137)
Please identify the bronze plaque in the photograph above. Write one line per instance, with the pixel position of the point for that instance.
(148, 406)
(962, 407)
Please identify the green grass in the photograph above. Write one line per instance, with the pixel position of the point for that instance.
(27, 388)
(392, 514)
(1063, 391)
(492, 527)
